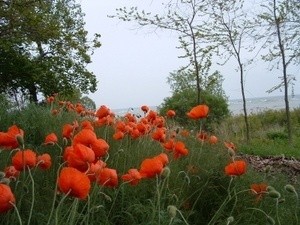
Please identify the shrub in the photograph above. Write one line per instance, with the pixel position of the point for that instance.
(183, 101)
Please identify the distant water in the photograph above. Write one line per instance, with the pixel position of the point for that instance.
(254, 105)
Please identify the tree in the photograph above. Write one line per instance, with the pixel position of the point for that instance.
(185, 17)
(182, 100)
(88, 103)
(281, 22)
(50, 45)
(230, 33)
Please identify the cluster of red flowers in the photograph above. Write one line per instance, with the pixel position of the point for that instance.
(22, 160)
(84, 152)
(58, 106)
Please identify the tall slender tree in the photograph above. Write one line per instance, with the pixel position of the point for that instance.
(228, 29)
(281, 22)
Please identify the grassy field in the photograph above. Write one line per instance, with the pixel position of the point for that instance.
(191, 187)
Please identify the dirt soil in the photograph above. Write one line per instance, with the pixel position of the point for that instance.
(288, 166)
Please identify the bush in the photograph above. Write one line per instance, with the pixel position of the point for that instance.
(183, 101)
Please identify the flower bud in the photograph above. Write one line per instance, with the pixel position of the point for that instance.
(2, 175)
(165, 173)
(270, 188)
(20, 140)
(274, 194)
(5, 181)
(290, 188)
(230, 219)
(172, 211)
(65, 141)
(270, 220)
(267, 169)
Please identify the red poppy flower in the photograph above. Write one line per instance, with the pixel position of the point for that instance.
(79, 108)
(169, 145)
(159, 134)
(180, 150)
(230, 145)
(68, 130)
(105, 121)
(120, 126)
(8, 139)
(151, 167)
(51, 139)
(159, 121)
(202, 136)
(118, 135)
(50, 99)
(11, 171)
(24, 159)
(145, 108)
(6, 198)
(85, 137)
(133, 176)
(44, 161)
(87, 125)
(103, 111)
(100, 147)
(94, 169)
(80, 157)
(236, 168)
(142, 127)
(67, 152)
(54, 112)
(213, 139)
(108, 177)
(198, 112)
(259, 190)
(73, 181)
(130, 117)
(134, 133)
(171, 113)
(185, 133)
(151, 116)
(163, 158)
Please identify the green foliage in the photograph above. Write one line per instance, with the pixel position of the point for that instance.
(183, 101)
(44, 48)
(269, 136)
(277, 135)
(88, 103)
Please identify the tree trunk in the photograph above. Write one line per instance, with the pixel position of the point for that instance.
(284, 70)
(33, 94)
(244, 102)
(196, 64)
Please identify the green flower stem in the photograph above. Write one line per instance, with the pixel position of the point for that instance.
(54, 198)
(58, 206)
(18, 214)
(33, 195)
(277, 215)
(182, 217)
(171, 221)
(297, 204)
(72, 215)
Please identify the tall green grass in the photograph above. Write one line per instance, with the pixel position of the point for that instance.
(193, 190)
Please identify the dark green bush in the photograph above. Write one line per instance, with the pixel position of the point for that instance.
(277, 135)
(183, 101)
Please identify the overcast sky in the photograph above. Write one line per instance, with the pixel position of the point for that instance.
(132, 65)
